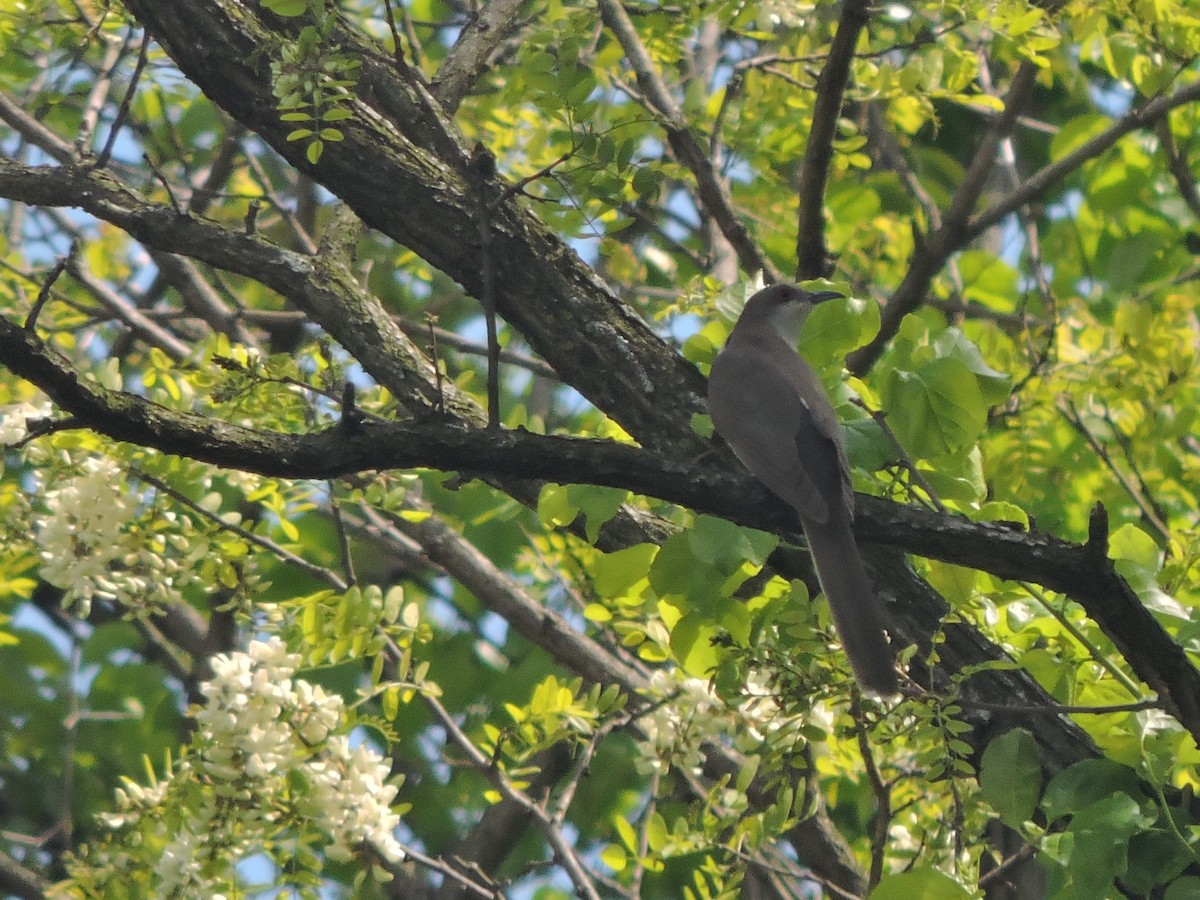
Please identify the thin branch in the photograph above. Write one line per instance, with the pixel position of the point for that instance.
(320, 573)
(500, 593)
(880, 419)
(34, 131)
(1178, 165)
(138, 322)
(932, 253)
(1037, 184)
(811, 252)
(439, 865)
(98, 95)
(20, 881)
(45, 291)
(714, 195)
(1067, 408)
(883, 794)
(123, 110)
(1082, 639)
(1027, 852)
(564, 852)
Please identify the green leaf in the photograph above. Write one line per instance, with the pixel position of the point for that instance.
(921, 883)
(613, 574)
(691, 642)
(288, 8)
(954, 344)
(1102, 832)
(676, 573)
(1085, 782)
(1136, 557)
(597, 503)
(726, 546)
(554, 507)
(988, 280)
(937, 409)
(615, 857)
(1010, 776)
(836, 327)
(1187, 888)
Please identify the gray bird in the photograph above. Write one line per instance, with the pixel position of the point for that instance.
(770, 407)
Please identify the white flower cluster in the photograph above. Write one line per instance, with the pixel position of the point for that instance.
(262, 733)
(265, 763)
(92, 544)
(262, 726)
(14, 420)
(689, 713)
(82, 534)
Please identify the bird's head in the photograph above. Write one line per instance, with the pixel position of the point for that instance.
(785, 307)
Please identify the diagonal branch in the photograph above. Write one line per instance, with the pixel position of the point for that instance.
(400, 144)
(960, 228)
(1036, 184)
(714, 195)
(472, 52)
(932, 254)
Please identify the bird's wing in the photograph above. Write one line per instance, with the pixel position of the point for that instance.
(793, 447)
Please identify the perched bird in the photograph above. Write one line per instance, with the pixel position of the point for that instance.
(770, 407)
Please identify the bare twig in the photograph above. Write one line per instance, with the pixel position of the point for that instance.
(397, 44)
(126, 102)
(438, 336)
(1027, 851)
(166, 185)
(883, 794)
(98, 95)
(583, 880)
(1067, 408)
(44, 292)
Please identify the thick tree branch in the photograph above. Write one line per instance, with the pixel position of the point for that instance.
(1082, 572)
(323, 288)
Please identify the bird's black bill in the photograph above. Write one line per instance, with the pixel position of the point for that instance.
(822, 296)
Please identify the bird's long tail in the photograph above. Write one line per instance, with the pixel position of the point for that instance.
(856, 610)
